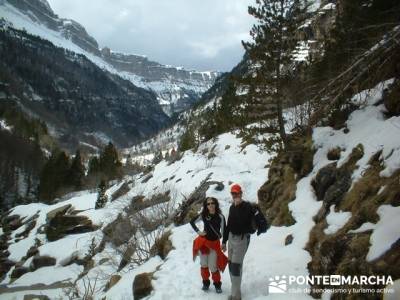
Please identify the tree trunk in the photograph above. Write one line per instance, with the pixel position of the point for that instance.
(279, 100)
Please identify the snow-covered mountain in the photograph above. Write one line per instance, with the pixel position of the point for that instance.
(78, 100)
(70, 247)
(177, 89)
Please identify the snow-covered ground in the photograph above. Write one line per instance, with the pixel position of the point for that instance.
(178, 277)
(165, 141)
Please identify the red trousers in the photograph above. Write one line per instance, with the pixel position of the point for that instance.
(205, 275)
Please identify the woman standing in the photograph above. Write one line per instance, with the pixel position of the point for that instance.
(208, 243)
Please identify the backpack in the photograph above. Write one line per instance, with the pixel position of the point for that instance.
(259, 222)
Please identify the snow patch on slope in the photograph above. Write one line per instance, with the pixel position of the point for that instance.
(366, 126)
(336, 220)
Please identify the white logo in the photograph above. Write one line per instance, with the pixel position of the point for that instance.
(277, 285)
(289, 284)
(335, 280)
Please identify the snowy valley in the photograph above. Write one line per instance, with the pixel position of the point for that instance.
(210, 170)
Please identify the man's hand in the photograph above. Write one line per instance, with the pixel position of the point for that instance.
(223, 247)
(201, 233)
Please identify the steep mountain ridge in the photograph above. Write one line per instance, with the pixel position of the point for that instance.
(39, 11)
(79, 101)
(177, 88)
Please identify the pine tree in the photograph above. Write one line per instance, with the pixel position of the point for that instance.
(94, 165)
(76, 173)
(270, 52)
(54, 176)
(188, 139)
(62, 166)
(109, 162)
(101, 197)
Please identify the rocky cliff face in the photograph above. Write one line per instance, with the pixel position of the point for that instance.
(79, 101)
(177, 89)
(39, 11)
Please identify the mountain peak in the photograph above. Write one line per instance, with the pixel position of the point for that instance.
(177, 88)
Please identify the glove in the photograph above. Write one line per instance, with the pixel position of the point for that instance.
(223, 247)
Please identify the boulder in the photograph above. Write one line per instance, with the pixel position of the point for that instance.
(11, 218)
(18, 272)
(32, 251)
(331, 184)
(4, 253)
(42, 261)
(4, 262)
(59, 210)
(289, 239)
(15, 223)
(391, 99)
(119, 231)
(28, 227)
(5, 266)
(113, 281)
(123, 190)
(142, 286)
(3, 244)
(324, 179)
(334, 154)
(62, 225)
(336, 192)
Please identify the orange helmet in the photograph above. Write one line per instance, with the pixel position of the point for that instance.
(236, 188)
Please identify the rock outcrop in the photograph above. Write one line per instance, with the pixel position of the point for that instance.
(39, 11)
(284, 172)
(142, 286)
(42, 261)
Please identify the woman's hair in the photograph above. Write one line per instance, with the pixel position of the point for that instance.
(204, 211)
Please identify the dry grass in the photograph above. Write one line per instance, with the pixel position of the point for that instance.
(345, 253)
(285, 171)
(162, 245)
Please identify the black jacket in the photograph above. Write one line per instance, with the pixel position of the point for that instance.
(239, 220)
(214, 226)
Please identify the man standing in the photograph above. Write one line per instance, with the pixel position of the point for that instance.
(237, 233)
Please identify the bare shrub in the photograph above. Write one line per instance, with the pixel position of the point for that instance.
(86, 293)
(140, 232)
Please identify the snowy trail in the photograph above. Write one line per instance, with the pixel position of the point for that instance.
(178, 277)
(267, 256)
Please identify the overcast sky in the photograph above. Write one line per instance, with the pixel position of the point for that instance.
(196, 34)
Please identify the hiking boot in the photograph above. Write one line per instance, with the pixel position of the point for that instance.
(206, 285)
(218, 287)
